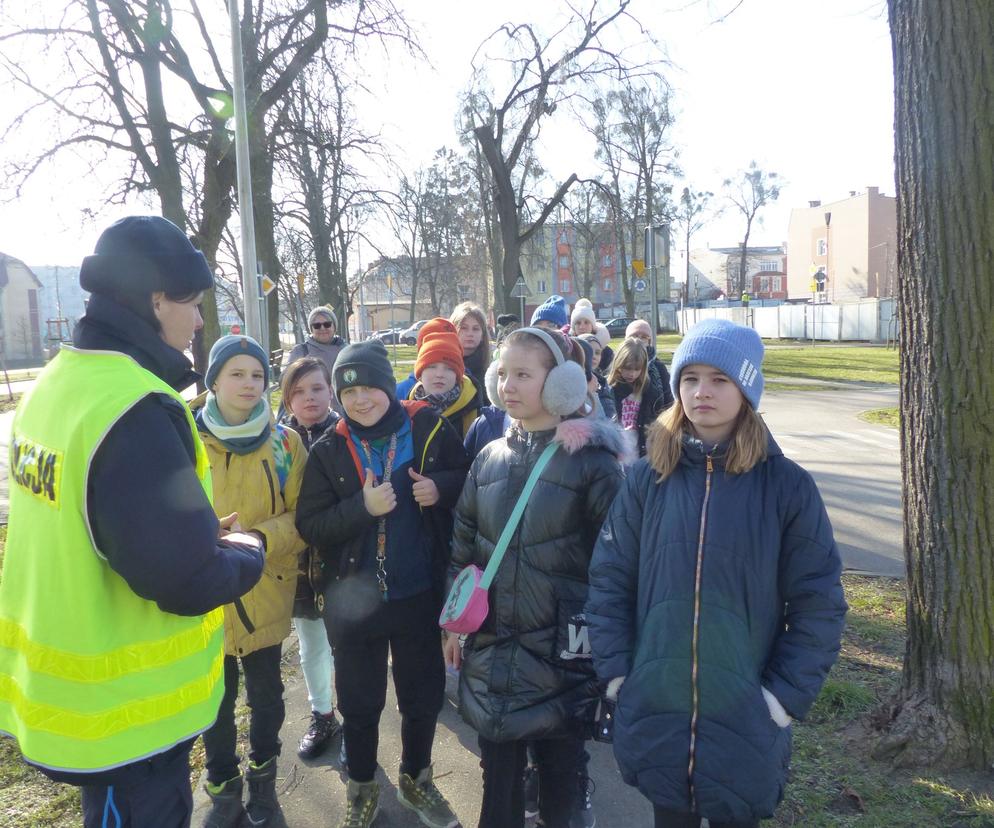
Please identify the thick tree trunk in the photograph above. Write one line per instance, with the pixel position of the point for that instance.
(944, 118)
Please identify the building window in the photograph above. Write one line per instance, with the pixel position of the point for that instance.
(769, 267)
(821, 247)
(563, 262)
(608, 286)
(764, 284)
(541, 286)
(607, 261)
(564, 286)
(778, 283)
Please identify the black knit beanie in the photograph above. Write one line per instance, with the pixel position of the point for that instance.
(364, 363)
(139, 255)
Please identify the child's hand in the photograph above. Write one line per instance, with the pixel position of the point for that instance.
(424, 489)
(451, 651)
(229, 523)
(378, 499)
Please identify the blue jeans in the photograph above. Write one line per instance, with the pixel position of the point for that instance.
(264, 688)
(152, 793)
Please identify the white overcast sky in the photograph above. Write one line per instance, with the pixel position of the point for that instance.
(804, 87)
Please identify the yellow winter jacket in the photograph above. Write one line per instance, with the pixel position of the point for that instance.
(250, 485)
(464, 411)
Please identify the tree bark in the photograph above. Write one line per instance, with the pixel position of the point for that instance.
(944, 76)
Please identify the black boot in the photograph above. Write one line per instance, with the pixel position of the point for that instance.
(226, 804)
(324, 727)
(262, 808)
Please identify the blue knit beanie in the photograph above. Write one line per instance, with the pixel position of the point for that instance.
(552, 310)
(735, 350)
(231, 346)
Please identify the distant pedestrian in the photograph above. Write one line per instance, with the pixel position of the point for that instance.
(322, 341)
(583, 319)
(474, 337)
(658, 375)
(552, 314)
(637, 401)
(716, 608)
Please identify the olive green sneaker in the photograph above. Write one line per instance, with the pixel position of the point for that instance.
(422, 797)
(362, 804)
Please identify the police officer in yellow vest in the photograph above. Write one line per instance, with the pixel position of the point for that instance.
(111, 638)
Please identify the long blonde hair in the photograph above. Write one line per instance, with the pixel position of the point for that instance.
(664, 441)
(464, 309)
(632, 353)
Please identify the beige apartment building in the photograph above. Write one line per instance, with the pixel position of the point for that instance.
(843, 250)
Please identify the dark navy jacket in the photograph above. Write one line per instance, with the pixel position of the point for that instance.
(489, 426)
(771, 615)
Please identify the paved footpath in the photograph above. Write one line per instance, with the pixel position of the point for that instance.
(312, 793)
(857, 467)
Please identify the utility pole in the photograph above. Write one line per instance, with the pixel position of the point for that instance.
(251, 287)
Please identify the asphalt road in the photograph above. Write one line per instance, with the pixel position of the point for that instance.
(856, 464)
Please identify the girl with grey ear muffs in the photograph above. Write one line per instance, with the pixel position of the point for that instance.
(534, 636)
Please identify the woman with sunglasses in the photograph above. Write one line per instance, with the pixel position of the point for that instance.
(323, 342)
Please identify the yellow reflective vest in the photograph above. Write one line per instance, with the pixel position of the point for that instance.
(92, 676)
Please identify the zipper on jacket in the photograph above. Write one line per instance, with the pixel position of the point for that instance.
(696, 635)
(272, 488)
(243, 615)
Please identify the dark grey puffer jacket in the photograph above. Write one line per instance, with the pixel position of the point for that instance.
(518, 678)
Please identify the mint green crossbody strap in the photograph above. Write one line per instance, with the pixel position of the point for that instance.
(512, 522)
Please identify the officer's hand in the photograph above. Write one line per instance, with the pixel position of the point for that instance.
(379, 500)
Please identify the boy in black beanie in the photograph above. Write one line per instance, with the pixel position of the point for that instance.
(375, 502)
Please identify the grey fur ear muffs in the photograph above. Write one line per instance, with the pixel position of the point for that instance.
(565, 388)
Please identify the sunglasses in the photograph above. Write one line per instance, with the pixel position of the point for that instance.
(317, 325)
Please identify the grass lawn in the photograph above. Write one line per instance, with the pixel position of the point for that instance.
(825, 361)
(883, 416)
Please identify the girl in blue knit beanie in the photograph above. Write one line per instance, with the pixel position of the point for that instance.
(715, 607)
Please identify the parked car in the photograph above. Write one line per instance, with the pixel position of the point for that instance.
(409, 336)
(391, 336)
(616, 327)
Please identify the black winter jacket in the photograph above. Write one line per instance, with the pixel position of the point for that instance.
(332, 516)
(771, 615)
(652, 405)
(518, 680)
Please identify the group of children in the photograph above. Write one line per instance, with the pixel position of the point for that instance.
(697, 588)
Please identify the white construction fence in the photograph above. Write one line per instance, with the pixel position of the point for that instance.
(868, 320)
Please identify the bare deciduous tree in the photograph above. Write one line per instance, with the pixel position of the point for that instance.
(749, 192)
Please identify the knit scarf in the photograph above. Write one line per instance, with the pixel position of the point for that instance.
(439, 402)
(239, 439)
(389, 423)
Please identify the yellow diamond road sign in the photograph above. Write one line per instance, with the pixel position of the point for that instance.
(639, 266)
(267, 285)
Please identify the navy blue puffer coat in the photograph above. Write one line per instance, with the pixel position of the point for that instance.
(771, 615)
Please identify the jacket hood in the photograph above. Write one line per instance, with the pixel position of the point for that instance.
(467, 397)
(578, 433)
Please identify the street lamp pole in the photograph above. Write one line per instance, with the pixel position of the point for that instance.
(251, 287)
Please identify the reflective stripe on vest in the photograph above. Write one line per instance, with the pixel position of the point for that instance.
(91, 675)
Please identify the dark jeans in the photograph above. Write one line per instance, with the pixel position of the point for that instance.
(503, 764)
(152, 793)
(674, 819)
(407, 630)
(264, 689)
